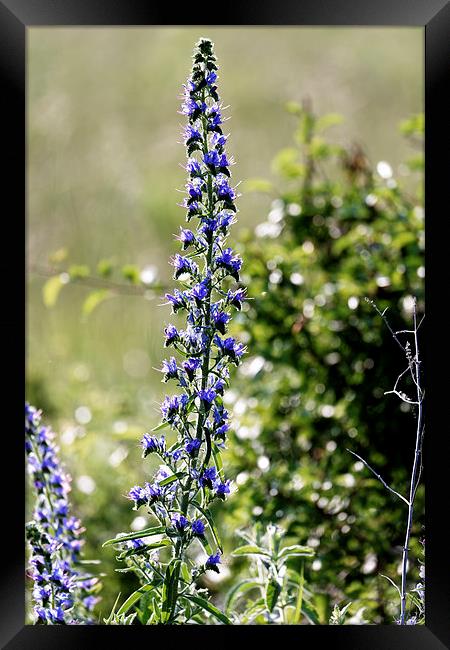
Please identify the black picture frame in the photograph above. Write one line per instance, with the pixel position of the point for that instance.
(15, 17)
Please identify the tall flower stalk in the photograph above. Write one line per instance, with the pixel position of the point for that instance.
(192, 475)
(62, 593)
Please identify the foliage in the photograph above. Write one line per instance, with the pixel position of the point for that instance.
(273, 590)
(337, 231)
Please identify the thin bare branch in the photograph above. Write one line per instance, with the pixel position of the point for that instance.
(402, 396)
(400, 496)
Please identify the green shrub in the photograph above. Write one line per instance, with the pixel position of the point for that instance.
(320, 360)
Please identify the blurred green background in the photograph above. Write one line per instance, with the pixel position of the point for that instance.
(104, 165)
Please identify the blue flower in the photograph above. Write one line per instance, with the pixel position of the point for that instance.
(194, 208)
(139, 495)
(170, 369)
(136, 543)
(218, 140)
(192, 446)
(171, 406)
(193, 340)
(176, 454)
(180, 522)
(177, 300)
(229, 347)
(195, 188)
(90, 601)
(151, 444)
(221, 489)
(236, 298)
(207, 478)
(212, 562)
(209, 227)
(220, 414)
(224, 191)
(56, 615)
(191, 365)
(219, 386)
(192, 108)
(153, 492)
(229, 262)
(221, 431)
(171, 334)
(220, 318)
(224, 162)
(211, 158)
(193, 167)
(191, 134)
(211, 77)
(183, 265)
(214, 117)
(198, 527)
(186, 237)
(207, 396)
(200, 291)
(226, 219)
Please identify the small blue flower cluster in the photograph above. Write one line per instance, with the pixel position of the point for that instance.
(61, 594)
(207, 272)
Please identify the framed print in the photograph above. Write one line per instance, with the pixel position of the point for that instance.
(229, 341)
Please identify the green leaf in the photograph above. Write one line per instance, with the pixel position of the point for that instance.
(286, 163)
(108, 620)
(170, 590)
(310, 613)
(105, 268)
(319, 149)
(298, 604)
(238, 590)
(185, 573)
(338, 615)
(403, 239)
(414, 125)
(147, 532)
(257, 608)
(78, 271)
(294, 108)
(171, 479)
(131, 272)
(51, 289)
(218, 461)
(416, 163)
(94, 299)
(206, 545)
(257, 185)
(163, 425)
(250, 550)
(209, 518)
(328, 120)
(273, 591)
(295, 551)
(144, 549)
(135, 596)
(58, 256)
(209, 607)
